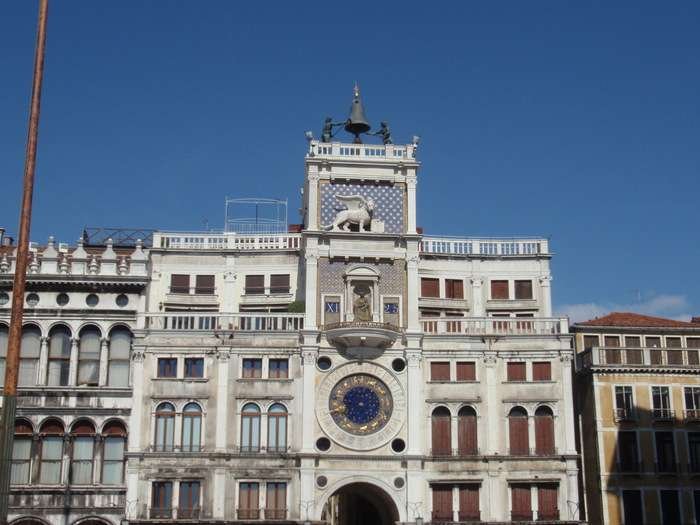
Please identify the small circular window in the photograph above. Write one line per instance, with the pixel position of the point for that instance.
(399, 483)
(398, 365)
(62, 299)
(323, 363)
(322, 481)
(92, 300)
(32, 299)
(122, 300)
(323, 444)
(398, 445)
(4, 298)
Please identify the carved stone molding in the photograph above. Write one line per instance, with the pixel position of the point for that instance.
(490, 360)
(137, 356)
(223, 354)
(308, 357)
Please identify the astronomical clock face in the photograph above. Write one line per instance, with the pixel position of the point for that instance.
(360, 404)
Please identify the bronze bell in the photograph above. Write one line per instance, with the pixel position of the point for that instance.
(357, 123)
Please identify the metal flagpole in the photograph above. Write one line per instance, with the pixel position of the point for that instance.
(9, 400)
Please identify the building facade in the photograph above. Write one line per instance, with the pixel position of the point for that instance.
(356, 371)
(638, 399)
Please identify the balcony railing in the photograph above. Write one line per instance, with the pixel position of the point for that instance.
(625, 414)
(521, 515)
(456, 453)
(639, 357)
(480, 326)
(666, 467)
(662, 414)
(227, 241)
(248, 514)
(376, 152)
(465, 247)
(275, 514)
(692, 414)
(161, 513)
(244, 322)
(535, 452)
(188, 513)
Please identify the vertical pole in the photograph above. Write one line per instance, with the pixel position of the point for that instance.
(15, 336)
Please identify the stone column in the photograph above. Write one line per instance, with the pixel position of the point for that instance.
(415, 402)
(413, 288)
(137, 380)
(311, 295)
(312, 198)
(411, 182)
(219, 499)
(567, 406)
(43, 361)
(65, 463)
(478, 309)
(222, 398)
(97, 459)
(73, 370)
(493, 408)
(309, 352)
(571, 503)
(546, 295)
(104, 361)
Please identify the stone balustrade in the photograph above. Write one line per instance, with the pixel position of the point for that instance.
(465, 247)
(226, 241)
(495, 326)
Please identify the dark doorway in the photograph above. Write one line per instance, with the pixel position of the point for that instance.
(360, 504)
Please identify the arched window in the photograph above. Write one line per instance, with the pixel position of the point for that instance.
(21, 453)
(165, 427)
(191, 428)
(89, 356)
(59, 356)
(544, 431)
(119, 352)
(29, 355)
(51, 434)
(83, 438)
(441, 432)
(517, 430)
(277, 428)
(250, 428)
(114, 435)
(4, 332)
(466, 432)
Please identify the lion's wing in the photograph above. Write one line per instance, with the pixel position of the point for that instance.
(353, 202)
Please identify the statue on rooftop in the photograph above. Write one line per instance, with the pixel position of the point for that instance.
(383, 132)
(328, 125)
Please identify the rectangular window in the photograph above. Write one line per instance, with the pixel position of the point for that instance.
(661, 402)
(653, 342)
(167, 367)
(523, 289)
(180, 283)
(194, 367)
(276, 501)
(429, 287)
(548, 508)
(542, 371)
(440, 371)
(162, 500)
(204, 285)
(633, 341)
(119, 354)
(469, 503)
(248, 501)
(466, 371)
(279, 368)
(51, 459)
(252, 368)
(188, 504)
(254, 284)
(499, 290)
(624, 402)
(21, 460)
(627, 450)
(665, 452)
(692, 402)
(590, 341)
(442, 503)
(59, 359)
(516, 372)
(81, 460)
(694, 452)
(89, 358)
(673, 342)
(454, 289)
(521, 503)
(692, 342)
(632, 506)
(279, 283)
(670, 510)
(113, 461)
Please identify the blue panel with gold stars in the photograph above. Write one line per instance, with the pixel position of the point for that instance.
(388, 203)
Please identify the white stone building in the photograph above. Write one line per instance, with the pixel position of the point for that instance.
(354, 372)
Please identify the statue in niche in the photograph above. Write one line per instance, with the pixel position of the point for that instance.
(358, 211)
(361, 308)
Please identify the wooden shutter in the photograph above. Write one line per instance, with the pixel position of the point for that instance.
(547, 506)
(469, 503)
(542, 371)
(466, 371)
(519, 442)
(544, 435)
(693, 342)
(589, 341)
(442, 503)
(179, 283)
(499, 289)
(254, 284)
(279, 283)
(516, 371)
(523, 289)
(440, 371)
(454, 289)
(441, 433)
(204, 285)
(429, 287)
(521, 502)
(633, 341)
(467, 444)
(612, 354)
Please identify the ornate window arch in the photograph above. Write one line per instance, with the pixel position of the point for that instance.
(89, 355)
(441, 430)
(119, 356)
(165, 428)
(250, 428)
(191, 427)
(114, 438)
(467, 437)
(22, 453)
(52, 437)
(519, 441)
(59, 355)
(544, 431)
(29, 355)
(82, 453)
(277, 428)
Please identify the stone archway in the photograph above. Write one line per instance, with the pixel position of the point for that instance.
(360, 504)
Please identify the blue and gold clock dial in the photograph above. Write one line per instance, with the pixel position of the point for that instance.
(360, 404)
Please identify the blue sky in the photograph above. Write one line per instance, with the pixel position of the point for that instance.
(578, 121)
